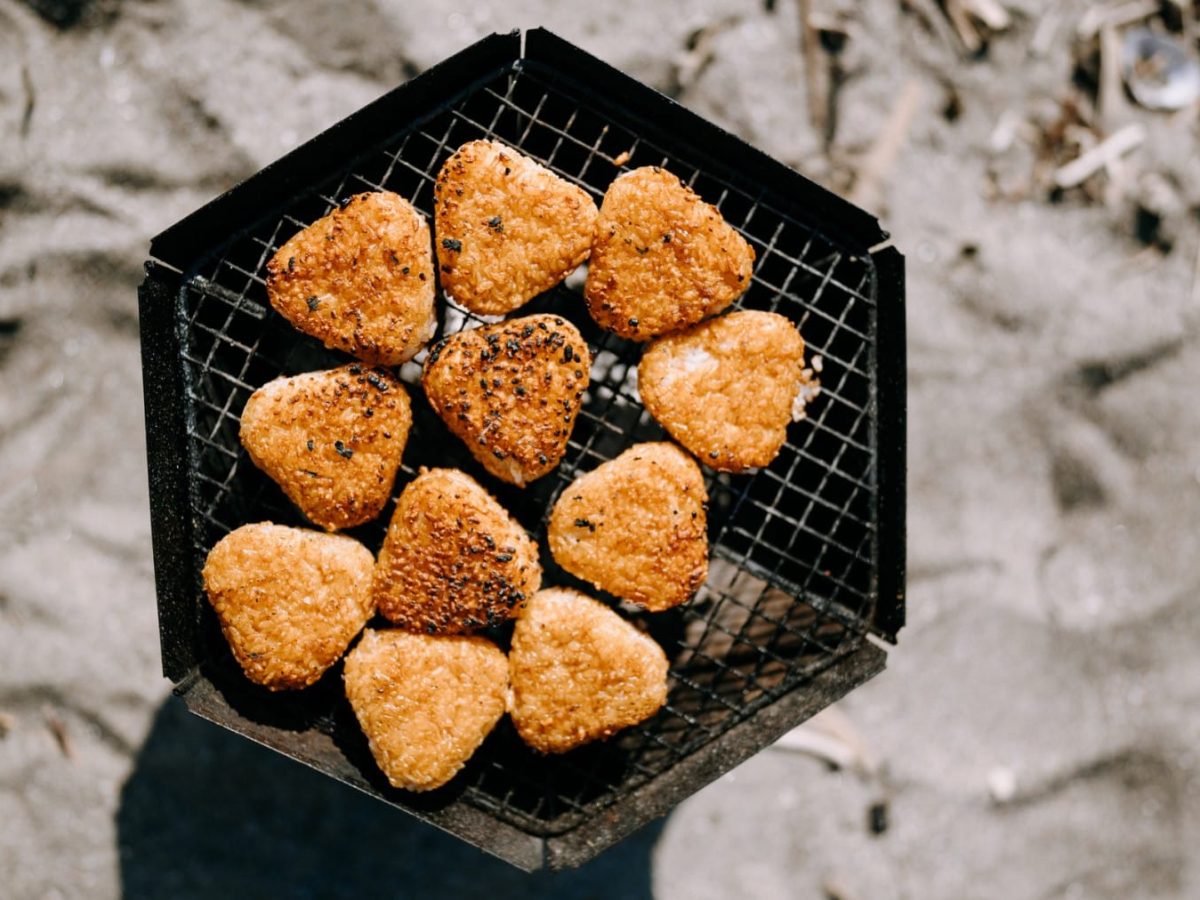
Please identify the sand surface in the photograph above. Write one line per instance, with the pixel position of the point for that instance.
(1054, 480)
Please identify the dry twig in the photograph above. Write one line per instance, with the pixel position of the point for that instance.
(879, 160)
(1098, 157)
(816, 70)
(1115, 15)
(58, 730)
(971, 39)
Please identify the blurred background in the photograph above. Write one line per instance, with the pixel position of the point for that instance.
(1036, 732)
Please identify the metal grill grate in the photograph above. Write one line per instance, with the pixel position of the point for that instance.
(792, 584)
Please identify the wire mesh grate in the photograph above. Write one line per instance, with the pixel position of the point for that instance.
(794, 550)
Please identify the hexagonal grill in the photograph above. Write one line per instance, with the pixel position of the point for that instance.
(807, 553)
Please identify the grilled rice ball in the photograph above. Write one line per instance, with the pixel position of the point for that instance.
(636, 526)
(360, 279)
(580, 672)
(727, 389)
(289, 600)
(511, 392)
(332, 440)
(663, 259)
(507, 228)
(453, 559)
(425, 703)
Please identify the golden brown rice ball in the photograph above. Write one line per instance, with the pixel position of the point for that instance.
(727, 389)
(360, 279)
(453, 560)
(425, 703)
(289, 600)
(663, 259)
(507, 228)
(332, 440)
(636, 526)
(580, 672)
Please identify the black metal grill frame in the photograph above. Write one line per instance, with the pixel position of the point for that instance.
(808, 553)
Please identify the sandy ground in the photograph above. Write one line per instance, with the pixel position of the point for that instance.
(1054, 481)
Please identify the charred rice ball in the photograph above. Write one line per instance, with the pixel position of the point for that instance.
(580, 672)
(360, 279)
(507, 228)
(425, 703)
(636, 526)
(453, 559)
(727, 389)
(511, 392)
(663, 259)
(289, 600)
(332, 440)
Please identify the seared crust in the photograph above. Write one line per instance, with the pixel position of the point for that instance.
(728, 388)
(360, 279)
(580, 672)
(662, 259)
(636, 526)
(511, 392)
(507, 228)
(425, 703)
(289, 600)
(332, 440)
(453, 559)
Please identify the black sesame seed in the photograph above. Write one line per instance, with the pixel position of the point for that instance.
(667, 238)
(504, 557)
(526, 331)
(436, 353)
(494, 222)
(313, 303)
(368, 412)
(584, 523)
(499, 454)
(520, 391)
(404, 270)
(310, 444)
(452, 244)
(633, 323)
(568, 353)
(376, 382)
(291, 263)
(342, 450)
